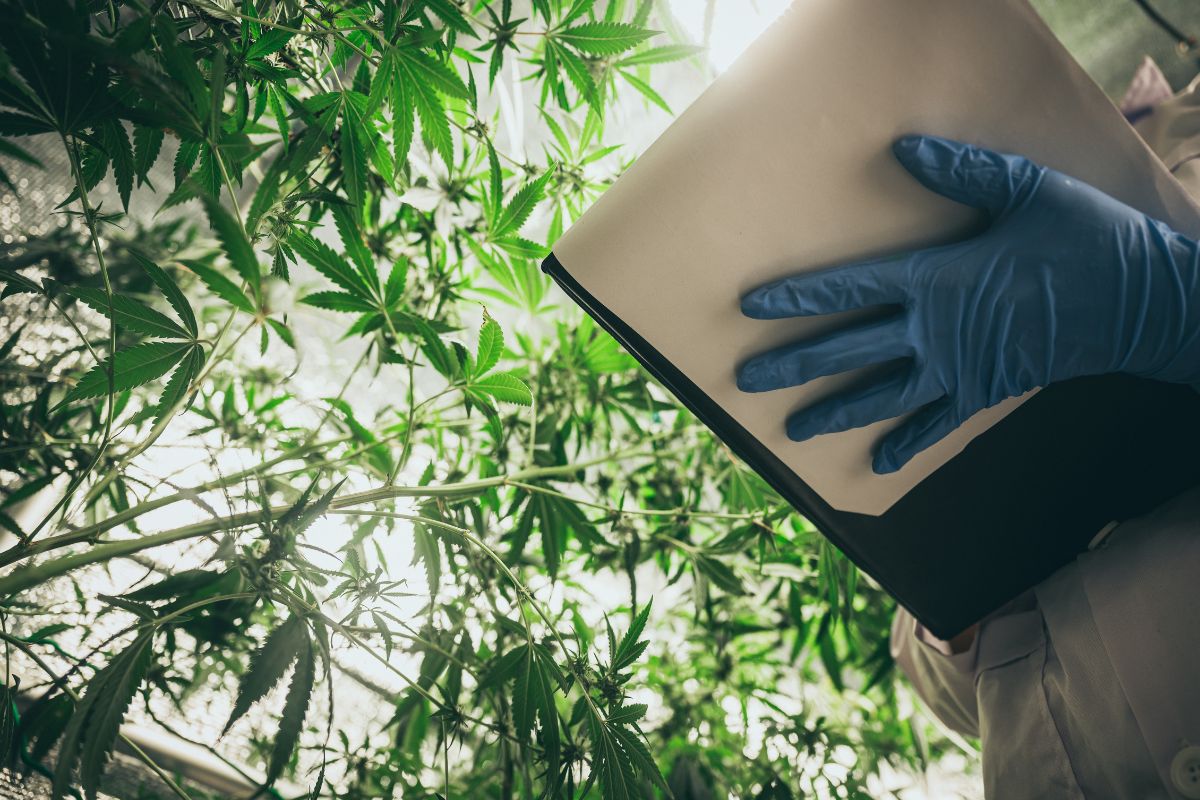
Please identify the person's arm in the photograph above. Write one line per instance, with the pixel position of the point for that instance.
(1065, 281)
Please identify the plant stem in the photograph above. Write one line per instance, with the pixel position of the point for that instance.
(90, 532)
(94, 235)
(38, 573)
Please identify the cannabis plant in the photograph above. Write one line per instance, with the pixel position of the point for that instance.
(297, 438)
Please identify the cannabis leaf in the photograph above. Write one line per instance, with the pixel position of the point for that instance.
(131, 367)
(130, 313)
(491, 345)
(295, 709)
(90, 736)
(219, 285)
(604, 38)
(521, 206)
(237, 246)
(503, 386)
(268, 665)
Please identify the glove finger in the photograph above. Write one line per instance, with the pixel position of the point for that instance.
(974, 176)
(873, 282)
(884, 398)
(924, 429)
(858, 346)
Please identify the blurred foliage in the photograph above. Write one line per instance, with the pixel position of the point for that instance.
(348, 152)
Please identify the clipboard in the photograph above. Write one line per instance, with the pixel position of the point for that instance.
(784, 165)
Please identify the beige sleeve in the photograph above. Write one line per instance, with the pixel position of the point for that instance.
(944, 681)
(1172, 130)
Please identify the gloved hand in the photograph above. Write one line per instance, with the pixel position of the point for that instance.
(1064, 282)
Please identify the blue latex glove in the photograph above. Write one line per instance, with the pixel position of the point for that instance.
(1065, 281)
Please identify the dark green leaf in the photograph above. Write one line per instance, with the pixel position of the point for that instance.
(330, 264)
(354, 244)
(177, 387)
(166, 284)
(630, 648)
(219, 285)
(8, 724)
(295, 709)
(338, 301)
(182, 583)
(92, 732)
(120, 153)
(268, 665)
(427, 71)
(237, 247)
(129, 313)
(131, 367)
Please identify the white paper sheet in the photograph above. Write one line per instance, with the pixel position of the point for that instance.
(784, 165)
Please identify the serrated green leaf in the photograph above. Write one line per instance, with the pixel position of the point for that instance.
(219, 285)
(428, 554)
(44, 723)
(176, 585)
(503, 386)
(233, 240)
(522, 248)
(495, 186)
(131, 367)
(491, 346)
(533, 697)
(661, 55)
(354, 161)
(577, 72)
(272, 40)
(404, 109)
(646, 90)
(92, 732)
(428, 71)
(268, 665)
(638, 756)
(627, 715)
(397, 278)
(628, 650)
(166, 284)
(338, 301)
(295, 709)
(8, 724)
(129, 313)
(579, 8)
(354, 244)
(310, 143)
(322, 258)
(451, 15)
(120, 153)
(520, 207)
(147, 144)
(282, 332)
(176, 389)
(435, 123)
(604, 38)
